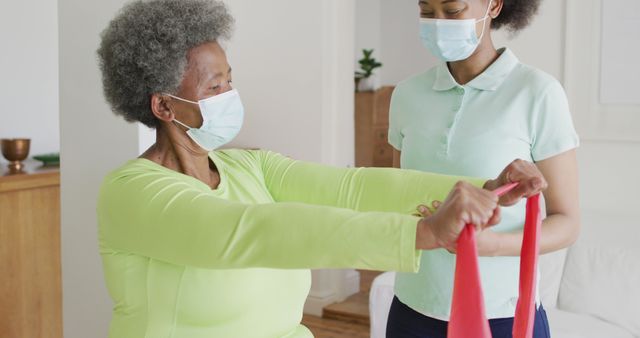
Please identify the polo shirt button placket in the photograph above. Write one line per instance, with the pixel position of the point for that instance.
(456, 111)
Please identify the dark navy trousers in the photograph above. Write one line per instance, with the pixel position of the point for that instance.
(404, 322)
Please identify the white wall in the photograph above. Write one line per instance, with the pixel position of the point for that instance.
(293, 66)
(609, 177)
(29, 73)
(391, 28)
(285, 65)
(542, 43)
(368, 35)
(402, 50)
(93, 141)
(608, 170)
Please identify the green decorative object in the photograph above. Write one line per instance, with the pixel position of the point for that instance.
(367, 65)
(50, 159)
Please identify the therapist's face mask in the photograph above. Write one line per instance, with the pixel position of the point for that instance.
(222, 117)
(451, 40)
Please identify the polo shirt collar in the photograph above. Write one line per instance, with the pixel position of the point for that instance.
(490, 79)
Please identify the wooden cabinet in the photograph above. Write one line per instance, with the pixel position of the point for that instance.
(372, 124)
(30, 274)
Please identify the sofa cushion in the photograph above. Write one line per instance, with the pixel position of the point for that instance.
(603, 281)
(551, 267)
(571, 325)
(380, 298)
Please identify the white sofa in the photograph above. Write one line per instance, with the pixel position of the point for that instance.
(591, 290)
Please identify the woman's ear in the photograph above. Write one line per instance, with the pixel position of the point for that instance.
(160, 106)
(496, 8)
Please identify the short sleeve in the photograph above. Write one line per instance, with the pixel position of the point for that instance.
(553, 130)
(394, 134)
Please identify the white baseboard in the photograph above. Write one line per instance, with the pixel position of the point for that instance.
(351, 284)
(315, 304)
(347, 285)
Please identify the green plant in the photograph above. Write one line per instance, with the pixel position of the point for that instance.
(367, 65)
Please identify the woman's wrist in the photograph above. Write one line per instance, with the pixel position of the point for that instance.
(425, 239)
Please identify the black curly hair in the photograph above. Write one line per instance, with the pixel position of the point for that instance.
(516, 14)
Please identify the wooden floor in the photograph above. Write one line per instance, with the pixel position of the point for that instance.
(366, 278)
(354, 309)
(330, 328)
(347, 319)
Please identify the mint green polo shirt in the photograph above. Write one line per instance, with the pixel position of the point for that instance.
(509, 111)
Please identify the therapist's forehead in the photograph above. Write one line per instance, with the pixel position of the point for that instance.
(441, 2)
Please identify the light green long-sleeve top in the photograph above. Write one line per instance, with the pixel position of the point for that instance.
(182, 260)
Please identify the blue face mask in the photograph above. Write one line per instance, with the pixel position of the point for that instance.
(222, 117)
(451, 40)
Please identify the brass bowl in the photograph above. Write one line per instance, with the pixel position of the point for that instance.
(15, 151)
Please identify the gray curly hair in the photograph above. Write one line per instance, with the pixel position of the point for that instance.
(144, 50)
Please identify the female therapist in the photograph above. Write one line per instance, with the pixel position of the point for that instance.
(471, 115)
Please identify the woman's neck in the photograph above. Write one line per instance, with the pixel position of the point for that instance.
(464, 71)
(177, 152)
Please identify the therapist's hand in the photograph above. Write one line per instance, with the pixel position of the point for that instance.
(466, 204)
(530, 181)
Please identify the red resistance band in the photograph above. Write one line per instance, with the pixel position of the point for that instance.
(468, 317)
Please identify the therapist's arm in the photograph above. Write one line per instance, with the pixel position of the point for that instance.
(561, 227)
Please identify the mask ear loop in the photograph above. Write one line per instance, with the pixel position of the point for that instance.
(182, 124)
(184, 100)
(486, 14)
(181, 99)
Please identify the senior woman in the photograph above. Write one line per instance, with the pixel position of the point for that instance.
(201, 243)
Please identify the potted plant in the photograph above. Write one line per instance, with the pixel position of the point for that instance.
(367, 65)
